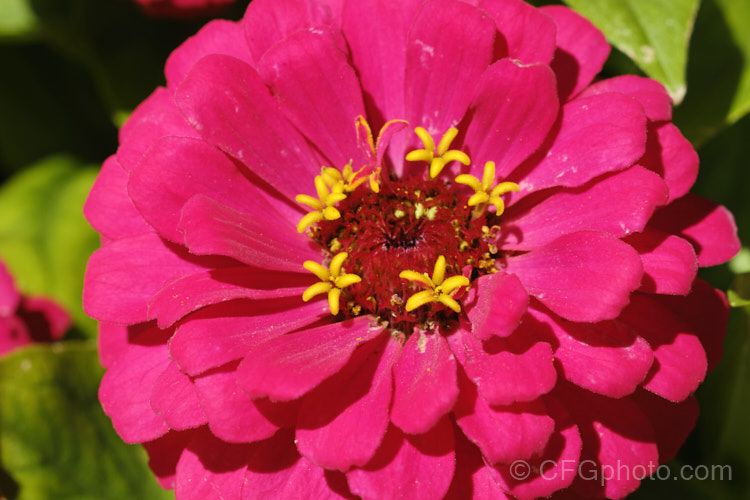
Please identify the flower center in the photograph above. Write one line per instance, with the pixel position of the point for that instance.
(393, 232)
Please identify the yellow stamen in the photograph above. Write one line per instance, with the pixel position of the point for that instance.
(439, 289)
(332, 281)
(364, 133)
(375, 181)
(344, 181)
(486, 194)
(309, 220)
(444, 155)
(387, 130)
(323, 206)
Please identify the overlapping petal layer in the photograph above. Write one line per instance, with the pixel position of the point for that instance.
(569, 329)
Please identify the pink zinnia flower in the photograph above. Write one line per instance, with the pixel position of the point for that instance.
(389, 249)
(24, 320)
(182, 8)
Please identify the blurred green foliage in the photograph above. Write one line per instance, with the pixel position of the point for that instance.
(653, 34)
(56, 441)
(71, 69)
(44, 237)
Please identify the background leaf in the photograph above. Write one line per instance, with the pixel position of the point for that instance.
(16, 18)
(44, 238)
(720, 436)
(719, 71)
(48, 105)
(739, 294)
(655, 34)
(55, 441)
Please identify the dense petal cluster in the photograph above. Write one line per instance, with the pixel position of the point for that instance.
(24, 320)
(182, 8)
(292, 305)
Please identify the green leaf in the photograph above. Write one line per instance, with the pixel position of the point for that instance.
(737, 15)
(48, 105)
(739, 294)
(654, 34)
(55, 441)
(725, 405)
(741, 262)
(123, 50)
(736, 300)
(719, 70)
(16, 18)
(44, 238)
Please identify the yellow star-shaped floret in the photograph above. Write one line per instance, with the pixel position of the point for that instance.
(345, 180)
(439, 289)
(332, 281)
(444, 155)
(323, 205)
(484, 192)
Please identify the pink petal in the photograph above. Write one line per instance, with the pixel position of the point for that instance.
(173, 398)
(597, 135)
(503, 433)
(446, 35)
(47, 320)
(108, 207)
(123, 276)
(425, 387)
(514, 369)
(154, 118)
(532, 223)
(581, 50)
(122, 393)
(232, 415)
(616, 436)
(286, 367)
(680, 364)
(112, 341)
(14, 333)
(511, 114)
(226, 101)
(707, 312)
(672, 421)
(672, 156)
(553, 470)
(336, 6)
(318, 91)
(164, 453)
(267, 22)
(212, 228)
(182, 10)
(472, 479)
(669, 262)
(10, 299)
(190, 293)
(607, 358)
(275, 470)
(219, 334)
(342, 422)
(379, 56)
(529, 33)
(216, 37)
(174, 170)
(708, 226)
(211, 468)
(495, 305)
(416, 467)
(584, 276)
(649, 93)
